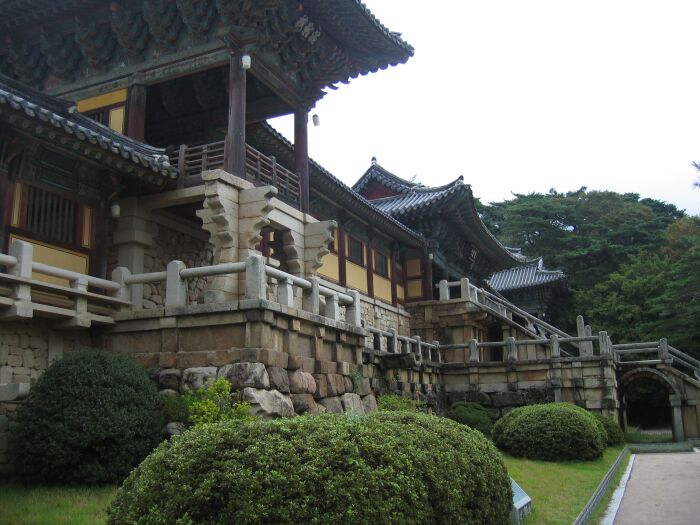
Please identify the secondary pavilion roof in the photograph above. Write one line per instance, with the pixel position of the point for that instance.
(59, 45)
(446, 214)
(527, 276)
(264, 137)
(56, 121)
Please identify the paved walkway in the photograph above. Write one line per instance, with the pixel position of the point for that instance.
(662, 489)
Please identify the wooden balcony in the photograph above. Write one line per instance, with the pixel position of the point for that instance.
(261, 170)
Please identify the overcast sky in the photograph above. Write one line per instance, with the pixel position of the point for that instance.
(523, 96)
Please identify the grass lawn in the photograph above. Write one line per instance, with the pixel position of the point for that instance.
(47, 505)
(559, 491)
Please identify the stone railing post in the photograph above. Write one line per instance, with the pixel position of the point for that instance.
(175, 285)
(473, 351)
(464, 288)
(393, 342)
(310, 300)
(663, 349)
(255, 278)
(437, 355)
(603, 343)
(444, 290)
(332, 310)
(588, 344)
(285, 292)
(22, 293)
(353, 312)
(119, 275)
(554, 341)
(512, 349)
(419, 347)
(82, 317)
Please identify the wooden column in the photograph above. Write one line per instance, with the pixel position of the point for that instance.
(5, 196)
(370, 266)
(393, 262)
(301, 156)
(234, 151)
(341, 256)
(136, 112)
(428, 278)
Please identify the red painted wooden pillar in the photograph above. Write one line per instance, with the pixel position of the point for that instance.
(234, 150)
(301, 156)
(393, 262)
(136, 112)
(428, 278)
(342, 271)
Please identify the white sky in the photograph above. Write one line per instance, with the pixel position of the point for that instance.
(522, 96)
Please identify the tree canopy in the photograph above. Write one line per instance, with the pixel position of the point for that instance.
(633, 264)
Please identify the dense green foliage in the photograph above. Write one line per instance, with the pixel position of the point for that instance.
(212, 403)
(387, 468)
(394, 402)
(552, 432)
(91, 418)
(631, 263)
(613, 431)
(471, 414)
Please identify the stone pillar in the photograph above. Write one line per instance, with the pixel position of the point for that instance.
(220, 218)
(317, 238)
(132, 238)
(677, 417)
(254, 207)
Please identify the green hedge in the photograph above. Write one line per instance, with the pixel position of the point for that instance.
(552, 432)
(613, 431)
(91, 418)
(388, 468)
(471, 414)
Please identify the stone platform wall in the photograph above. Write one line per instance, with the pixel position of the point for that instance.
(26, 350)
(270, 352)
(589, 382)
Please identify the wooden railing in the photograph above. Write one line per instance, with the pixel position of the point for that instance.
(260, 169)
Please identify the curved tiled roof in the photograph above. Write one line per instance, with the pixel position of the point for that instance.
(419, 197)
(15, 97)
(323, 180)
(388, 179)
(532, 274)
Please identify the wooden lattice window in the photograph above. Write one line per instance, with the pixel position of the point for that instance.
(381, 264)
(356, 251)
(50, 215)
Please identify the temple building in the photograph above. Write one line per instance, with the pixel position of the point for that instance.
(148, 208)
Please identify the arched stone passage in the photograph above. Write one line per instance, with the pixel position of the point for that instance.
(674, 395)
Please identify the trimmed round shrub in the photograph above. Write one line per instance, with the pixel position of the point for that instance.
(613, 431)
(471, 414)
(387, 468)
(91, 418)
(552, 432)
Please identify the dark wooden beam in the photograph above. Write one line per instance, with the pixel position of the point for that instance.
(136, 112)
(342, 271)
(428, 293)
(370, 265)
(301, 155)
(5, 196)
(393, 261)
(234, 152)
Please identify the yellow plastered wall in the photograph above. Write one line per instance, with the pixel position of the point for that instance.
(56, 256)
(382, 288)
(117, 115)
(413, 268)
(414, 288)
(356, 276)
(400, 295)
(330, 268)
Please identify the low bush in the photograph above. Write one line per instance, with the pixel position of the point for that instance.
(387, 468)
(613, 431)
(552, 432)
(91, 418)
(394, 402)
(471, 414)
(212, 403)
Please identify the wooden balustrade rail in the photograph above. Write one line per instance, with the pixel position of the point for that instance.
(260, 169)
